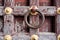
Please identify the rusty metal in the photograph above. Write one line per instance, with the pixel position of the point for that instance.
(58, 38)
(44, 2)
(34, 26)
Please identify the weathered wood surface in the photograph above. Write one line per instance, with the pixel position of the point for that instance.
(8, 24)
(41, 35)
(47, 25)
(57, 18)
(57, 2)
(34, 2)
(21, 2)
(1, 25)
(8, 3)
(34, 20)
(20, 10)
(1, 10)
(19, 24)
(1, 3)
(45, 2)
(47, 10)
(8, 19)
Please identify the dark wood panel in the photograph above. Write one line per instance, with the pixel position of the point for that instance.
(47, 25)
(44, 2)
(34, 2)
(9, 3)
(1, 25)
(46, 10)
(0, 2)
(19, 24)
(21, 2)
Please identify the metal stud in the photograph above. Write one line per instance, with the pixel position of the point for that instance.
(58, 38)
(34, 37)
(58, 10)
(7, 37)
(8, 10)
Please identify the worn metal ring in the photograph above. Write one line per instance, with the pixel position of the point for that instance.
(34, 26)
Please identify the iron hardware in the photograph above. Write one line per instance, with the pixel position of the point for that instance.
(8, 10)
(58, 10)
(33, 10)
(34, 37)
(34, 26)
(7, 37)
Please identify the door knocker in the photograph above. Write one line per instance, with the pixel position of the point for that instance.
(34, 10)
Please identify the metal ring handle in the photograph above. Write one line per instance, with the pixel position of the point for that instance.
(31, 26)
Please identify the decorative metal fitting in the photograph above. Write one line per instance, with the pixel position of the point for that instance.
(58, 10)
(58, 37)
(8, 10)
(34, 37)
(33, 10)
(7, 37)
(34, 26)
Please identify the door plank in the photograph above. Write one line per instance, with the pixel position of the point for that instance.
(8, 24)
(57, 19)
(8, 3)
(34, 19)
(46, 10)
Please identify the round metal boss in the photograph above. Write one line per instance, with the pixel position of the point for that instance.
(7, 37)
(8, 10)
(58, 10)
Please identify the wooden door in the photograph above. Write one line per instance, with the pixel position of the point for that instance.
(14, 23)
(19, 22)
